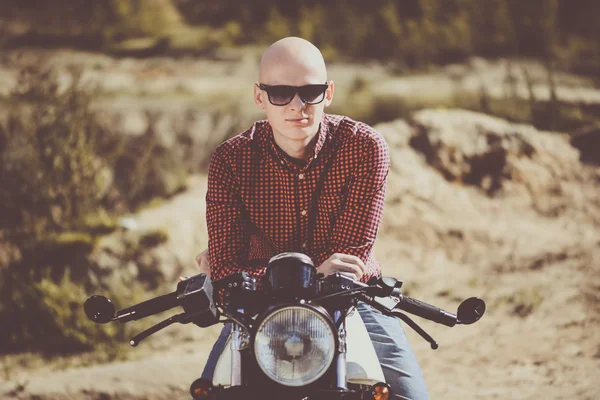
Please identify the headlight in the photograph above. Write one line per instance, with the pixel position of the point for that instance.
(295, 345)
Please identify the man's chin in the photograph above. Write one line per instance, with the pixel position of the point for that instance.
(298, 122)
(300, 132)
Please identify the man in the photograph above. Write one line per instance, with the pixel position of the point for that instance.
(308, 182)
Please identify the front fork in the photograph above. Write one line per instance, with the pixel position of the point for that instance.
(341, 375)
(240, 340)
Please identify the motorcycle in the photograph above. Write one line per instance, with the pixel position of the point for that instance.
(295, 333)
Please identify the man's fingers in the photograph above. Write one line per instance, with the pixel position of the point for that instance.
(202, 257)
(203, 263)
(349, 275)
(349, 258)
(341, 266)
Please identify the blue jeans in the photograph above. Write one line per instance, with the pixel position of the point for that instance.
(398, 362)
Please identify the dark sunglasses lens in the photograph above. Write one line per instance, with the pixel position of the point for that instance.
(312, 93)
(281, 94)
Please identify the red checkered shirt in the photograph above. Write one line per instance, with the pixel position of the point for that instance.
(259, 201)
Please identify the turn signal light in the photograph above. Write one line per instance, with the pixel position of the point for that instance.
(381, 391)
(200, 389)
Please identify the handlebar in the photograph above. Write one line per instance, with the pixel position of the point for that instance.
(426, 311)
(148, 308)
(195, 295)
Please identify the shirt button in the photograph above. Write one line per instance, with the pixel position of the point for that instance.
(303, 212)
(281, 161)
(315, 156)
(304, 245)
(301, 176)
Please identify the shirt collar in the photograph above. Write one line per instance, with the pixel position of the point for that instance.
(268, 145)
(323, 133)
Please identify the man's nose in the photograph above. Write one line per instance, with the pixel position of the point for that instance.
(297, 103)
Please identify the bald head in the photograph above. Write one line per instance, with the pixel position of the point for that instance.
(292, 61)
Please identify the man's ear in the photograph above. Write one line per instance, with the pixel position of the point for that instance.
(329, 94)
(258, 97)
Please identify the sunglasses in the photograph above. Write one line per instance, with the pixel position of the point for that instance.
(281, 95)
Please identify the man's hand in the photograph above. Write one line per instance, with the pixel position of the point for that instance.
(346, 264)
(203, 263)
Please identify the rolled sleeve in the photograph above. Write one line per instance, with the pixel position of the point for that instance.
(356, 228)
(227, 222)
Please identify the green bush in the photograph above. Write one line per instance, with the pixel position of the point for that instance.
(41, 297)
(50, 163)
(64, 179)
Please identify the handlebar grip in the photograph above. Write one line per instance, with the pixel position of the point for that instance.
(426, 311)
(148, 307)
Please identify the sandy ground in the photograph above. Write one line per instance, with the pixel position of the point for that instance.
(539, 274)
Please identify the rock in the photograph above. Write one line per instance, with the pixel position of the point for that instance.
(128, 223)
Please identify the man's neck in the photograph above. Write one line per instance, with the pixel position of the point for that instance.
(296, 148)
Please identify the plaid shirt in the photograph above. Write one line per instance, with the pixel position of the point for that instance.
(260, 202)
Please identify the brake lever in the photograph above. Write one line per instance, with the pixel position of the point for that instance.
(434, 344)
(183, 318)
(155, 328)
(386, 306)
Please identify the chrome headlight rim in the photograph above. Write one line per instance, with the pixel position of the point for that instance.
(312, 307)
